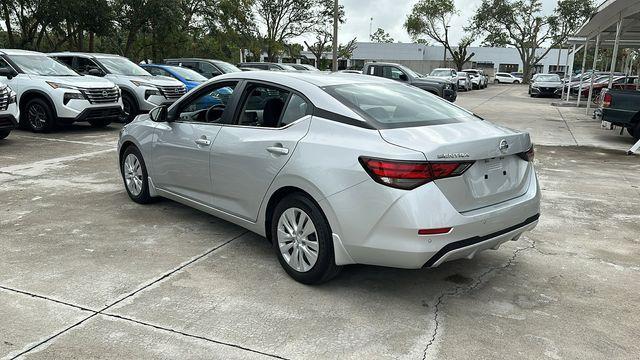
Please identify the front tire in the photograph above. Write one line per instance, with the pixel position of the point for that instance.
(99, 123)
(129, 109)
(302, 240)
(4, 134)
(135, 176)
(39, 116)
(634, 131)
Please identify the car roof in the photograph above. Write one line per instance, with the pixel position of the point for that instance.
(83, 54)
(317, 79)
(192, 59)
(19, 52)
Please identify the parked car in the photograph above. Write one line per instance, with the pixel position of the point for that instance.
(519, 75)
(464, 81)
(49, 93)
(304, 67)
(350, 71)
(545, 84)
(445, 74)
(188, 77)
(506, 78)
(141, 91)
(268, 66)
(602, 82)
(330, 168)
(621, 108)
(9, 112)
(206, 67)
(444, 88)
(246, 68)
(478, 79)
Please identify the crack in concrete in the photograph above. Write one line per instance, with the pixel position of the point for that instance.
(567, 125)
(129, 295)
(459, 290)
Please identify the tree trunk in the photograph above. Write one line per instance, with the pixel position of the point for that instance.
(91, 41)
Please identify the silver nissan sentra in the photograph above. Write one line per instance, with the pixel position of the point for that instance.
(337, 169)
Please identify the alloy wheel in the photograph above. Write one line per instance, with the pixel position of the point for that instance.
(133, 174)
(298, 239)
(37, 117)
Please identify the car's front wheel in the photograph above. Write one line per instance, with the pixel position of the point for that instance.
(129, 109)
(302, 240)
(4, 133)
(39, 116)
(135, 176)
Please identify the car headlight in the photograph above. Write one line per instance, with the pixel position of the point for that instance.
(56, 85)
(13, 98)
(142, 83)
(72, 95)
(151, 92)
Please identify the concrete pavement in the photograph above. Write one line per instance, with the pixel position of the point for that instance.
(86, 273)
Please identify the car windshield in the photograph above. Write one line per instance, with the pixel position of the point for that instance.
(287, 67)
(226, 67)
(41, 65)
(410, 72)
(398, 105)
(548, 78)
(187, 74)
(441, 73)
(122, 66)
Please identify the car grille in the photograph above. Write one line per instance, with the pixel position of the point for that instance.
(4, 99)
(102, 113)
(172, 92)
(101, 95)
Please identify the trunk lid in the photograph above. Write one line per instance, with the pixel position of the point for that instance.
(498, 173)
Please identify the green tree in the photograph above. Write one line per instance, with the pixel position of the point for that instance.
(323, 29)
(283, 20)
(381, 36)
(521, 24)
(431, 18)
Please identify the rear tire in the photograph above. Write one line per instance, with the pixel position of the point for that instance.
(293, 217)
(4, 134)
(634, 131)
(516, 82)
(38, 116)
(135, 176)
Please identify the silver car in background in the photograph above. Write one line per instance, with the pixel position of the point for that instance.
(336, 169)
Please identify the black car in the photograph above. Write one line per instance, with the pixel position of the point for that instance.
(267, 66)
(206, 67)
(443, 88)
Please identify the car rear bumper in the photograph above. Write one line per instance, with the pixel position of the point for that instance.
(383, 229)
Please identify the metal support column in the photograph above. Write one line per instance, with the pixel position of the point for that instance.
(593, 74)
(584, 64)
(568, 71)
(614, 56)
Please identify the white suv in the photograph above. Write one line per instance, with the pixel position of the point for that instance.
(141, 91)
(49, 93)
(8, 109)
(506, 78)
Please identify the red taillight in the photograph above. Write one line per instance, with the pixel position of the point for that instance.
(606, 100)
(528, 155)
(439, 231)
(410, 174)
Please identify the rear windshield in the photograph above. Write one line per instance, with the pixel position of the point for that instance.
(398, 105)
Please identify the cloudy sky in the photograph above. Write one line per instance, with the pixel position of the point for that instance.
(391, 14)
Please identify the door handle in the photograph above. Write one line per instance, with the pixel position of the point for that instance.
(278, 150)
(203, 141)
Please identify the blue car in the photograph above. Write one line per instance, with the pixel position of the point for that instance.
(188, 77)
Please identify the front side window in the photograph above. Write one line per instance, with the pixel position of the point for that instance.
(84, 65)
(398, 105)
(391, 72)
(263, 106)
(41, 65)
(208, 106)
(122, 66)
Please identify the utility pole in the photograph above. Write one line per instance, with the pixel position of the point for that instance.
(335, 35)
(370, 27)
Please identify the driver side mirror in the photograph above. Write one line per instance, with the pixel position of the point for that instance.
(95, 72)
(403, 77)
(159, 114)
(7, 72)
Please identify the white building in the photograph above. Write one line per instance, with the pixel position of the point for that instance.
(423, 59)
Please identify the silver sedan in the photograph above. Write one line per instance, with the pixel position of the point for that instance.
(336, 169)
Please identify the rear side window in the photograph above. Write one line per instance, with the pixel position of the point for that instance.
(296, 108)
(398, 105)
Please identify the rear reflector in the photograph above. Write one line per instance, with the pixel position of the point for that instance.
(410, 174)
(439, 231)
